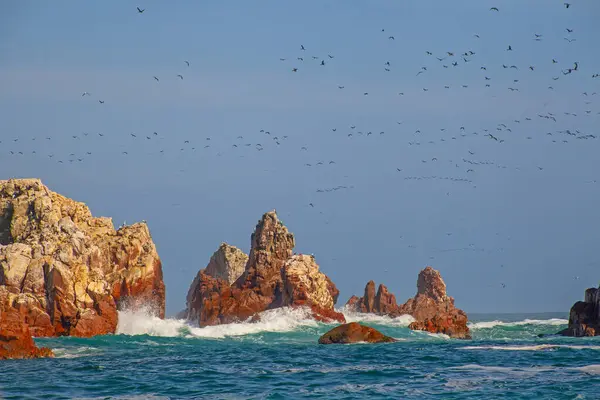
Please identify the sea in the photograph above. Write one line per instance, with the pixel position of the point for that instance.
(279, 358)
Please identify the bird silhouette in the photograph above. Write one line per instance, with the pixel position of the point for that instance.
(140, 10)
(494, 9)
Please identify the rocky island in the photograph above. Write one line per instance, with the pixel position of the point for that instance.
(584, 318)
(235, 287)
(64, 272)
(432, 309)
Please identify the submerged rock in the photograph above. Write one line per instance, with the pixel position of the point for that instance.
(432, 309)
(584, 318)
(272, 277)
(354, 332)
(64, 272)
(16, 340)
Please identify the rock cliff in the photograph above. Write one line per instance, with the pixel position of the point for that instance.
(584, 318)
(272, 277)
(64, 272)
(354, 333)
(16, 340)
(432, 309)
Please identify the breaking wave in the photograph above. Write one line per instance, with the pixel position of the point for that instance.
(142, 322)
(400, 321)
(493, 324)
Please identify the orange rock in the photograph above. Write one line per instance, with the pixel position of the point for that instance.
(273, 277)
(354, 332)
(432, 308)
(16, 340)
(65, 272)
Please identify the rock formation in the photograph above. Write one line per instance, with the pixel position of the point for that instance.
(227, 263)
(273, 277)
(584, 318)
(354, 333)
(64, 272)
(431, 308)
(16, 340)
(383, 302)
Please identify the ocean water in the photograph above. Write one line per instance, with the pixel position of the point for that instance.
(279, 358)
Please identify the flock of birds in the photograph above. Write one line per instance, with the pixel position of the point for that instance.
(560, 126)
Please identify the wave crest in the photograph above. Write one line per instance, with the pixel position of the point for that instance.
(492, 324)
(144, 322)
(400, 321)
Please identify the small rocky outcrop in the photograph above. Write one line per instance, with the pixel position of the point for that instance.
(64, 272)
(227, 263)
(272, 277)
(354, 333)
(584, 318)
(16, 340)
(381, 302)
(432, 309)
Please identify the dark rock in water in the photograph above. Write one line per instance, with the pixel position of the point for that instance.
(272, 276)
(584, 318)
(354, 333)
(432, 308)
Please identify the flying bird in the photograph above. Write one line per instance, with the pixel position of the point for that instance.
(188, 63)
(567, 5)
(140, 10)
(180, 76)
(494, 9)
(156, 79)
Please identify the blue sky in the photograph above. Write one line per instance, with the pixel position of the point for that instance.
(527, 217)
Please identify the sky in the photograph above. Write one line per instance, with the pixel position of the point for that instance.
(388, 182)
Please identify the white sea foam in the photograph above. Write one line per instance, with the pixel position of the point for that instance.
(400, 321)
(277, 320)
(505, 370)
(537, 347)
(143, 322)
(75, 352)
(593, 369)
(491, 324)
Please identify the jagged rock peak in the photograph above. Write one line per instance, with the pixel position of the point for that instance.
(271, 245)
(381, 302)
(431, 284)
(272, 237)
(274, 277)
(227, 263)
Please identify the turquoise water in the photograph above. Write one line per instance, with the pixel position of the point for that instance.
(279, 358)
